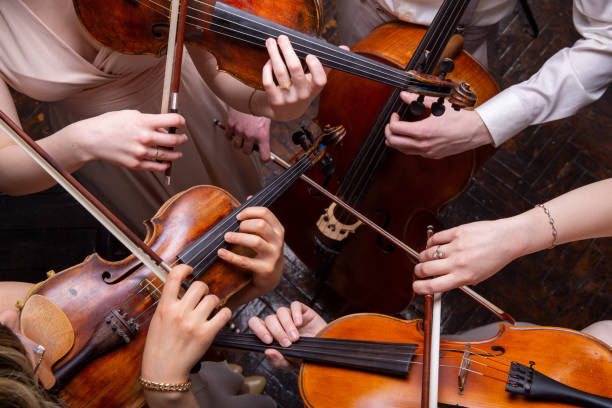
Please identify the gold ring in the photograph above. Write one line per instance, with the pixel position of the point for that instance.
(285, 87)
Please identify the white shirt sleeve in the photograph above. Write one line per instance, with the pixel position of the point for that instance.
(569, 80)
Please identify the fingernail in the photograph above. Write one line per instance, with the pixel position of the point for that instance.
(222, 252)
(228, 235)
(285, 342)
(295, 336)
(267, 339)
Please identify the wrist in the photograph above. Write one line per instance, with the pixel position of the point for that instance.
(481, 135)
(79, 141)
(532, 230)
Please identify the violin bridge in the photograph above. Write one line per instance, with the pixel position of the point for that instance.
(151, 288)
(466, 363)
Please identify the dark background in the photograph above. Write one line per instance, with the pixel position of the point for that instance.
(568, 286)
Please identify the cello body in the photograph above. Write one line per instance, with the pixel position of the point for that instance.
(406, 192)
(570, 357)
(87, 293)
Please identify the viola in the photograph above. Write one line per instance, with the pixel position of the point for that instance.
(236, 31)
(371, 360)
(403, 194)
(93, 318)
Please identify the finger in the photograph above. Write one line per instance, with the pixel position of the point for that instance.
(194, 294)
(264, 150)
(433, 268)
(260, 227)
(255, 242)
(276, 359)
(207, 305)
(267, 79)
(286, 320)
(168, 139)
(240, 261)
(161, 154)
(261, 331)
(292, 61)
(263, 213)
(150, 165)
(164, 120)
(174, 280)
(297, 311)
(405, 143)
(247, 146)
(319, 76)
(278, 65)
(277, 331)
(220, 319)
(237, 141)
(442, 237)
(437, 285)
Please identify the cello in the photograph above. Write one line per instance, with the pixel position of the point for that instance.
(403, 194)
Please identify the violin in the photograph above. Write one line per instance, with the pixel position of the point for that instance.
(371, 360)
(235, 33)
(93, 318)
(403, 194)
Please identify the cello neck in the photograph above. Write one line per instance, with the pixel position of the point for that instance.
(380, 357)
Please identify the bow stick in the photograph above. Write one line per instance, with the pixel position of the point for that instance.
(174, 59)
(145, 254)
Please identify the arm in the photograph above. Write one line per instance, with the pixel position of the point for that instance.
(286, 326)
(179, 335)
(473, 252)
(126, 138)
(287, 101)
(569, 80)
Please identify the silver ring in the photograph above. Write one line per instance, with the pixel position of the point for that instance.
(437, 253)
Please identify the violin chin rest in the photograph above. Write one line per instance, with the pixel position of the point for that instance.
(44, 323)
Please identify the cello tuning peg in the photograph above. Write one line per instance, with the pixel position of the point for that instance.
(299, 138)
(446, 65)
(417, 107)
(437, 108)
(456, 107)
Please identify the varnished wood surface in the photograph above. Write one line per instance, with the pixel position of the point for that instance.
(88, 292)
(407, 191)
(570, 357)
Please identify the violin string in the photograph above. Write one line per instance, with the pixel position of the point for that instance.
(360, 179)
(394, 76)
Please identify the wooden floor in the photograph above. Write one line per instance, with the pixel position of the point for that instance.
(569, 286)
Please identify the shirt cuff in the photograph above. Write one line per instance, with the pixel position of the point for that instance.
(504, 115)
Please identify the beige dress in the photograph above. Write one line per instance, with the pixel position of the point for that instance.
(37, 63)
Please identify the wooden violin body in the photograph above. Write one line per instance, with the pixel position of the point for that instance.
(404, 194)
(92, 291)
(141, 27)
(570, 357)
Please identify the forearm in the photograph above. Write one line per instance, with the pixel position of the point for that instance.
(579, 214)
(19, 174)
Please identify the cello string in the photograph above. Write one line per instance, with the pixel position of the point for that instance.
(374, 149)
(398, 77)
(374, 152)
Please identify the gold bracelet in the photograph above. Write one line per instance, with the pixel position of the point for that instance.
(552, 225)
(251, 102)
(163, 387)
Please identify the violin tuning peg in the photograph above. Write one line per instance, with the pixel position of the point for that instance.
(456, 107)
(446, 65)
(299, 138)
(417, 107)
(437, 108)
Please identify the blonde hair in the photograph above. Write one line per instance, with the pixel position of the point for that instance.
(18, 387)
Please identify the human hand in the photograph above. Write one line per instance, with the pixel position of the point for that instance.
(471, 253)
(286, 327)
(246, 130)
(130, 139)
(437, 137)
(261, 231)
(296, 89)
(180, 331)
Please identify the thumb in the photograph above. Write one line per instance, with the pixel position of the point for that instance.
(408, 97)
